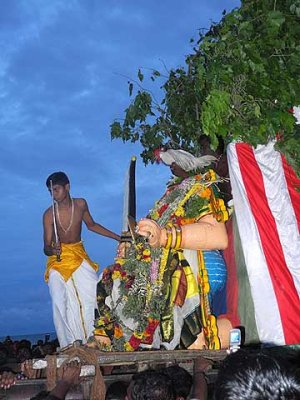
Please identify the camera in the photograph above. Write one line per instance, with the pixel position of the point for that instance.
(234, 340)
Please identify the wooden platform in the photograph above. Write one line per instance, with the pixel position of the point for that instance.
(124, 365)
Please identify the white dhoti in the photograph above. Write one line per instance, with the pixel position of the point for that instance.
(73, 303)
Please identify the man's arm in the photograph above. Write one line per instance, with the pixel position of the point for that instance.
(94, 226)
(201, 365)
(49, 249)
(70, 376)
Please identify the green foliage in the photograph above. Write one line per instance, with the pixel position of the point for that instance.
(194, 204)
(239, 83)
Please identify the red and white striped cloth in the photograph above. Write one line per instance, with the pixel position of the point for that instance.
(267, 207)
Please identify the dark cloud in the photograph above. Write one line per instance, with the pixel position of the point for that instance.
(64, 69)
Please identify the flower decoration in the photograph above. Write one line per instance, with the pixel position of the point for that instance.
(141, 274)
(296, 113)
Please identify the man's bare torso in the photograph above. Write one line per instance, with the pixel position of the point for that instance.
(68, 227)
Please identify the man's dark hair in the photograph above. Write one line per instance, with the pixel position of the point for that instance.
(182, 380)
(244, 376)
(41, 395)
(57, 178)
(117, 391)
(151, 385)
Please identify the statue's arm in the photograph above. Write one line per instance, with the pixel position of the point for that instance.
(206, 234)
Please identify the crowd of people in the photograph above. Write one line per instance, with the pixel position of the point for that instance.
(242, 375)
(21, 350)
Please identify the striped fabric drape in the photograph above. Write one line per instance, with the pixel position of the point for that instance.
(267, 211)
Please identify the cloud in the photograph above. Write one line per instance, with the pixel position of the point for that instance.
(64, 69)
(27, 307)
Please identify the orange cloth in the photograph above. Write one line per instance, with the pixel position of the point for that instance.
(72, 255)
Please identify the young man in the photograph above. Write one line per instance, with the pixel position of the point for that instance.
(70, 274)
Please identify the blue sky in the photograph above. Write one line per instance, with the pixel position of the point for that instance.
(64, 67)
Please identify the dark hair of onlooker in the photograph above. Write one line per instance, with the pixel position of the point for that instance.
(117, 390)
(151, 385)
(23, 354)
(182, 380)
(244, 376)
(41, 395)
(24, 343)
(57, 178)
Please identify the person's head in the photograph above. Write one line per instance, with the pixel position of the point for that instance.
(250, 376)
(150, 385)
(117, 391)
(24, 353)
(60, 185)
(57, 178)
(48, 349)
(205, 145)
(24, 343)
(182, 381)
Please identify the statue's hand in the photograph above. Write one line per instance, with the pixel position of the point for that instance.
(122, 248)
(151, 230)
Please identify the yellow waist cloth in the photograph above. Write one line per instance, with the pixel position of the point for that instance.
(72, 255)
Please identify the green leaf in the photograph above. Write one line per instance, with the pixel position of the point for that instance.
(140, 75)
(228, 85)
(115, 130)
(276, 17)
(257, 112)
(130, 88)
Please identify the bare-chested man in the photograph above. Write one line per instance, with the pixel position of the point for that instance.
(71, 275)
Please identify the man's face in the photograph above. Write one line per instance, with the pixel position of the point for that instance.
(60, 192)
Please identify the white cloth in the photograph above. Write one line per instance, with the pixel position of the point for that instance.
(270, 238)
(73, 304)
